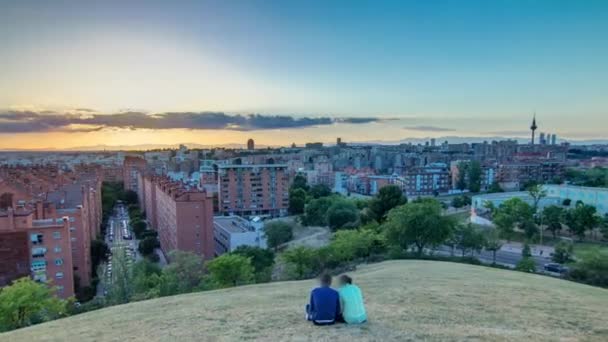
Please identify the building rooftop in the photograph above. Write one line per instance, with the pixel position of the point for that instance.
(232, 224)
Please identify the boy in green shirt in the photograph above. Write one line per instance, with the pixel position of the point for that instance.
(351, 301)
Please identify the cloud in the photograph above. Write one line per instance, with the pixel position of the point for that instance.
(86, 110)
(429, 128)
(31, 121)
(358, 120)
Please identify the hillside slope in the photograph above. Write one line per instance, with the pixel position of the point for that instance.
(406, 300)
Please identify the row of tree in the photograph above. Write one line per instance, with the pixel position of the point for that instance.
(412, 228)
(319, 207)
(594, 177)
(186, 273)
(515, 214)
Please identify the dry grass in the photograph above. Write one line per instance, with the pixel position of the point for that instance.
(406, 301)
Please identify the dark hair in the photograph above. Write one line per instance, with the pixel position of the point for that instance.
(325, 279)
(346, 279)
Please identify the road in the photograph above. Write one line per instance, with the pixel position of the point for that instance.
(116, 239)
(504, 258)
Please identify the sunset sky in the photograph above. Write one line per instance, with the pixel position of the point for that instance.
(82, 73)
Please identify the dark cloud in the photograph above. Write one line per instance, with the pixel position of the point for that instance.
(358, 120)
(429, 128)
(28, 121)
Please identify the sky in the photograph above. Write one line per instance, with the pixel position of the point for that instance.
(82, 73)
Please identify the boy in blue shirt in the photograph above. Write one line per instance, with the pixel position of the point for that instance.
(324, 306)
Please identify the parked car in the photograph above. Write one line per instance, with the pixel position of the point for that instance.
(555, 268)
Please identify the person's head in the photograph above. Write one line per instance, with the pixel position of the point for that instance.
(325, 279)
(345, 280)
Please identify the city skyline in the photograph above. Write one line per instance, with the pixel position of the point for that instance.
(77, 74)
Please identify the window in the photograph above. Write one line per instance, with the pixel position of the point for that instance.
(36, 239)
(58, 262)
(57, 249)
(59, 275)
(38, 252)
(59, 288)
(38, 265)
(56, 235)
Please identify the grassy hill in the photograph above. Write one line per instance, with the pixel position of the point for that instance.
(406, 300)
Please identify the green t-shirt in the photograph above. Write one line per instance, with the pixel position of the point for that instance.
(353, 308)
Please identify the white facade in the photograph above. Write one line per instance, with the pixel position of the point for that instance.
(230, 232)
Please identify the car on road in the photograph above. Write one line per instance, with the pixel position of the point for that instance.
(555, 268)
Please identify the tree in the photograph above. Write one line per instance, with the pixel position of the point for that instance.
(562, 252)
(184, 272)
(277, 233)
(461, 201)
(526, 252)
(553, 216)
(526, 265)
(495, 187)
(261, 259)
(146, 280)
(604, 227)
(297, 201)
(511, 214)
(229, 270)
(419, 224)
(319, 190)
(299, 182)
(99, 252)
(388, 197)
(315, 213)
(537, 192)
(348, 245)
(26, 302)
(461, 181)
(492, 243)
(592, 268)
(474, 172)
(468, 239)
(147, 245)
(302, 259)
(139, 228)
(342, 214)
(581, 218)
(130, 197)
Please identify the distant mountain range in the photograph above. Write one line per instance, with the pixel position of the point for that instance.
(439, 141)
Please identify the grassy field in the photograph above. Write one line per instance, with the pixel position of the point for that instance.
(406, 301)
(583, 249)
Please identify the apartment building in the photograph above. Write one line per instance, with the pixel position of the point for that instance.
(230, 232)
(253, 190)
(182, 216)
(429, 180)
(133, 167)
(53, 195)
(515, 175)
(48, 248)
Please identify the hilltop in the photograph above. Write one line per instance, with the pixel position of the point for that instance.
(406, 300)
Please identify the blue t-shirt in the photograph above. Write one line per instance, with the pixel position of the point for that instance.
(324, 305)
